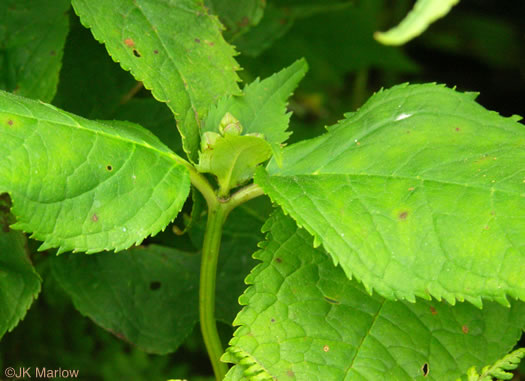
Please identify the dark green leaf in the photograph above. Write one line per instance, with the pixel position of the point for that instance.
(237, 17)
(154, 116)
(91, 84)
(32, 37)
(19, 282)
(147, 296)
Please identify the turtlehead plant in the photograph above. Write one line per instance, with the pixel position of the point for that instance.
(390, 247)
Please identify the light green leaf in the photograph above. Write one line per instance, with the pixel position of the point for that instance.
(84, 185)
(147, 296)
(304, 320)
(19, 281)
(421, 192)
(424, 13)
(500, 368)
(262, 108)
(232, 159)
(175, 48)
(32, 37)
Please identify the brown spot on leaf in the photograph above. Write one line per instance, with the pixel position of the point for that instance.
(136, 53)
(210, 43)
(109, 167)
(94, 218)
(411, 189)
(326, 348)
(433, 311)
(486, 227)
(10, 122)
(53, 53)
(403, 215)
(425, 369)
(244, 22)
(465, 329)
(129, 42)
(290, 373)
(457, 129)
(278, 260)
(155, 51)
(273, 320)
(197, 40)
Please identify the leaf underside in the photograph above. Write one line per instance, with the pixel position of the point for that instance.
(84, 185)
(424, 13)
(147, 295)
(304, 320)
(175, 48)
(32, 38)
(419, 193)
(19, 282)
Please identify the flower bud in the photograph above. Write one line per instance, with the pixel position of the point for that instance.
(230, 125)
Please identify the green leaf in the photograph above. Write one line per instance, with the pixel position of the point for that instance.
(424, 13)
(19, 282)
(304, 320)
(175, 48)
(32, 37)
(499, 369)
(232, 159)
(84, 185)
(237, 17)
(262, 108)
(420, 192)
(147, 296)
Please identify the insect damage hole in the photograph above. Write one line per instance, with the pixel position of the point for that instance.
(153, 286)
(109, 167)
(425, 369)
(136, 53)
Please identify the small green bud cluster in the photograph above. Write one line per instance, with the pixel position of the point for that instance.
(229, 126)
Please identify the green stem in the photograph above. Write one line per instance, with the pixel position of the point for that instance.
(218, 210)
(210, 254)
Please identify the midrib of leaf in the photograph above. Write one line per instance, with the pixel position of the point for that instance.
(232, 167)
(418, 178)
(117, 137)
(346, 146)
(363, 339)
